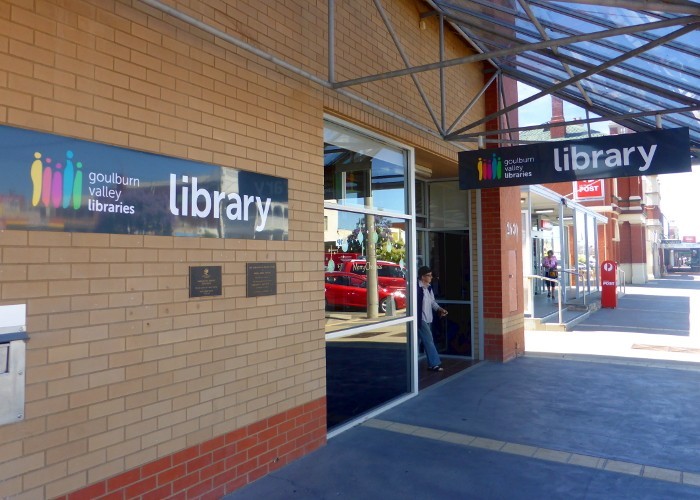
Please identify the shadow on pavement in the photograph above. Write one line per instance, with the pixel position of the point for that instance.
(683, 281)
(652, 314)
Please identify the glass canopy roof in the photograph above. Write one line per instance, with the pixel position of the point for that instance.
(633, 62)
(630, 61)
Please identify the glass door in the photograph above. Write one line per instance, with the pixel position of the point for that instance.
(449, 260)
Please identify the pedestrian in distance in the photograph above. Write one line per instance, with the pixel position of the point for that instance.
(549, 264)
(426, 307)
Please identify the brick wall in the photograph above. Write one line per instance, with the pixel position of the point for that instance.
(504, 329)
(219, 466)
(123, 368)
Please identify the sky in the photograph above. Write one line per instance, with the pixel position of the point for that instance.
(680, 193)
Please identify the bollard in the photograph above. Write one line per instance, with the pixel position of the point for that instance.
(390, 306)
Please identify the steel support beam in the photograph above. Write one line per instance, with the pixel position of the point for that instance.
(473, 102)
(555, 50)
(406, 61)
(675, 6)
(613, 118)
(516, 50)
(585, 74)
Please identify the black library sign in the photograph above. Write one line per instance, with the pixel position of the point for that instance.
(55, 183)
(205, 281)
(261, 279)
(626, 155)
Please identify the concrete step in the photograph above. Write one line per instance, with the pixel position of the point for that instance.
(572, 315)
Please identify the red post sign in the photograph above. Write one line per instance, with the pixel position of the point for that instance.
(608, 277)
(589, 189)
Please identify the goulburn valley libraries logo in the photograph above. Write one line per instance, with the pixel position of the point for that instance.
(496, 167)
(60, 185)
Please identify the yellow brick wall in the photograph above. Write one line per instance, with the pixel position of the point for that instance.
(364, 47)
(122, 366)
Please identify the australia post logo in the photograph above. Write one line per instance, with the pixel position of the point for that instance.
(56, 183)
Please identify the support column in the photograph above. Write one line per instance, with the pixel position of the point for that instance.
(502, 268)
(502, 260)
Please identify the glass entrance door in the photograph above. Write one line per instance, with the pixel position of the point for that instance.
(449, 260)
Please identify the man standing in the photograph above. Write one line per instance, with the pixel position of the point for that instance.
(426, 306)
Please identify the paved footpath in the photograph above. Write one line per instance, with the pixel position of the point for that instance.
(657, 321)
(569, 425)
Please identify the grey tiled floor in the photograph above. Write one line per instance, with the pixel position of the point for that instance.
(581, 423)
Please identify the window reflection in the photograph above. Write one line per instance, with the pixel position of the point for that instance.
(365, 263)
(361, 171)
(365, 255)
(353, 384)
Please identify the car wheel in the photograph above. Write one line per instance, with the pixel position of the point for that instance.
(382, 304)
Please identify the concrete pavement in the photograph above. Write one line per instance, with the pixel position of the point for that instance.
(590, 415)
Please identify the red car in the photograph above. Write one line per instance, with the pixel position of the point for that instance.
(390, 275)
(350, 290)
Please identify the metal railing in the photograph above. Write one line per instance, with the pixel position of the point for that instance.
(579, 275)
(556, 282)
(621, 281)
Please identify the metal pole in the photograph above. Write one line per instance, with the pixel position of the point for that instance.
(331, 41)
(443, 99)
(521, 48)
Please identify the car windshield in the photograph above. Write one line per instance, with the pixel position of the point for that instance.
(390, 272)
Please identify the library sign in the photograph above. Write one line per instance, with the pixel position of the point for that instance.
(627, 155)
(50, 182)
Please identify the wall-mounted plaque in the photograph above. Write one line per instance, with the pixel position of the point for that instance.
(205, 281)
(261, 279)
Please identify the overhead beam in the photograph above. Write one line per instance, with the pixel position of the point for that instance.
(517, 50)
(407, 63)
(585, 74)
(675, 6)
(543, 33)
(473, 102)
(609, 118)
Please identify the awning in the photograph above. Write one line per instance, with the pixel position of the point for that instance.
(633, 62)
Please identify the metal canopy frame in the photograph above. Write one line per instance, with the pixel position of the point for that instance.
(633, 62)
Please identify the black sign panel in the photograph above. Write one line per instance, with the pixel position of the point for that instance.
(205, 281)
(626, 155)
(261, 279)
(50, 182)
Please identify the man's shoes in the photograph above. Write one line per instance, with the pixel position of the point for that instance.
(436, 368)
(549, 295)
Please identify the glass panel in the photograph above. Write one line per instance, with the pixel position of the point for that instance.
(361, 171)
(366, 370)
(420, 198)
(365, 262)
(452, 334)
(581, 264)
(448, 205)
(592, 253)
(663, 72)
(449, 260)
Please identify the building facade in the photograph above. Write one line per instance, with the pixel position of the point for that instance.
(135, 385)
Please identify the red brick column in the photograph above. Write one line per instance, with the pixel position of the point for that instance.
(221, 465)
(502, 270)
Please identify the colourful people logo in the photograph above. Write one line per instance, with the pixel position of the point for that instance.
(490, 169)
(56, 185)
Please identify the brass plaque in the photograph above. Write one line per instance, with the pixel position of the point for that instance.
(261, 279)
(205, 281)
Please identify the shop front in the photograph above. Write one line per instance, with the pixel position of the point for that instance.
(213, 251)
(380, 225)
(568, 229)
